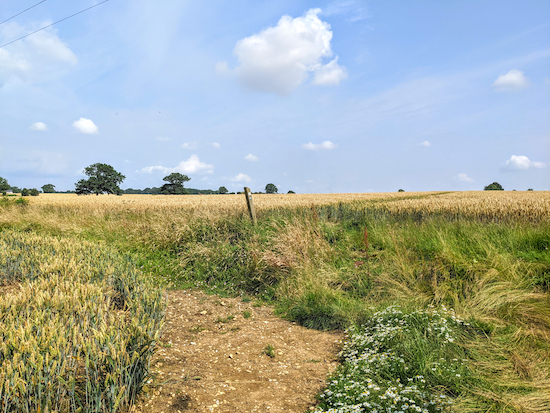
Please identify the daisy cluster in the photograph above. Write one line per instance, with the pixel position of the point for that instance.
(395, 361)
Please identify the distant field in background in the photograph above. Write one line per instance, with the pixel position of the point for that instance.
(328, 261)
(528, 204)
(227, 201)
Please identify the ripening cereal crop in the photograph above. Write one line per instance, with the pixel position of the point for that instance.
(78, 325)
(529, 205)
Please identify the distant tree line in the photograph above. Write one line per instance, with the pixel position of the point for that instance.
(104, 179)
(188, 191)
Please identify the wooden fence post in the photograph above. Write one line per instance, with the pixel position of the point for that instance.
(250, 205)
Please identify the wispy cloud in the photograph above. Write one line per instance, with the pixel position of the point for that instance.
(241, 178)
(326, 145)
(251, 158)
(35, 59)
(464, 178)
(39, 126)
(216, 145)
(191, 146)
(425, 143)
(351, 10)
(162, 139)
(41, 162)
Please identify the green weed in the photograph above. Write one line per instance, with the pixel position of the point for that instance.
(269, 351)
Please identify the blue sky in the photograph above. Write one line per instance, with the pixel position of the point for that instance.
(315, 97)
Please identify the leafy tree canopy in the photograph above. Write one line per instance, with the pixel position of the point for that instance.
(291, 192)
(25, 192)
(48, 189)
(223, 190)
(103, 179)
(174, 185)
(4, 186)
(34, 192)
(271, 189)
(495, 186)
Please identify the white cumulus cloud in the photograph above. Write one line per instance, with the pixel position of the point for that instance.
(425, 143)
(520, 162)
(190, 166)
(86, 126)
(251, 158)
(330, 74)
(464, 178)
(513, 80)
(326, 145)
(241, 178)
(39, 126)
(279, 59)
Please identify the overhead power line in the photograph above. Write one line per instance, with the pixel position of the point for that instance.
(50, 25)
(22, 12)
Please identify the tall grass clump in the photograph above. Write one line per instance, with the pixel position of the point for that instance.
(78, 325)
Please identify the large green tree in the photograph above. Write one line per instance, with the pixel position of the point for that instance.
(48, 188)
(495, 186)
(103, 179)
(223, 190)
(4, 186)
(174, 185)
(271, 189)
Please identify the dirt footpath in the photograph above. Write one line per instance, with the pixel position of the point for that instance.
(225, 355)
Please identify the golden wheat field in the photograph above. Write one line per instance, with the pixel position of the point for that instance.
(228, 202)
(528, 204)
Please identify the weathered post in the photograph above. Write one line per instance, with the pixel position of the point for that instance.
(251, 211)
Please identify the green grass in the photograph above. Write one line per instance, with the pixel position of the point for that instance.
(269, 351)
(225, 320)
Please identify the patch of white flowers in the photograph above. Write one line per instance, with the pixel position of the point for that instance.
(384, 367)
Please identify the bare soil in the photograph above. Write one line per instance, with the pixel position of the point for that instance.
(225, 355)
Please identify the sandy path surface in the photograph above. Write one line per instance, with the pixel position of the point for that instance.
(213, 358)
